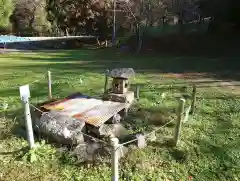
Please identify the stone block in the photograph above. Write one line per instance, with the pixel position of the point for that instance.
(120, 86)
(63, 129)
(128, 97)
(109, 129)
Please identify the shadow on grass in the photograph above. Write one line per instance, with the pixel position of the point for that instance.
(16, 152)
(99, 60)
(72, 63)
(221, 144)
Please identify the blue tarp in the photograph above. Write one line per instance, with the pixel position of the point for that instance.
(11, 38)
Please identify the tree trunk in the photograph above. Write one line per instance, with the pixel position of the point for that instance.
(181, 28)
(139, 38)
(66, 32)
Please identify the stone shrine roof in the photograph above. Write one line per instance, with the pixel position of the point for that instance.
(122, 73)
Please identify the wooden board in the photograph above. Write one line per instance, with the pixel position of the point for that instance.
(93, 111)
(99, 114)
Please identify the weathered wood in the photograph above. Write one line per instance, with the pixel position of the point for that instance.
(125, 112)
(194, 95)
(137, 91)
(179, 121)
(106, 81)
(49, 86)
(186, 116)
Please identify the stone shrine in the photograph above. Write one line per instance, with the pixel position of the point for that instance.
(119, 92)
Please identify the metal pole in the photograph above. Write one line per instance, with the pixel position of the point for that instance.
(114, 23)
(49, 86)
(115, 174)
(28, 122)
(179, 121)
(106, 81)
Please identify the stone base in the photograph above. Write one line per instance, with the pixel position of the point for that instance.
(109, 129)
(93, 152)
(127, 97)
(60, 128)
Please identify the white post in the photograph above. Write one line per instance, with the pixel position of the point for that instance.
(49, 86)
(25, 94)
(114, 143)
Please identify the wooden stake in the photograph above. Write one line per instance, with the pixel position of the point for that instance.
(179, 121)
(186, 116)
(49, 86)
(137, 91)
(106, 81)
(194, 95)
(115, 145)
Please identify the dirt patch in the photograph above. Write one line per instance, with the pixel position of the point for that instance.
(202, 80)
(192, 75)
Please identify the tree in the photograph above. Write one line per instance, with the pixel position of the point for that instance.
(5, 12)
(71, 15)
(226, 15)
(29, 16)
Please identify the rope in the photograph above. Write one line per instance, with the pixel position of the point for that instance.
(159, 128)
(131, 141)
(146, 135)
(17, 86)
(39, 110)
(37, 80)
(96, 139)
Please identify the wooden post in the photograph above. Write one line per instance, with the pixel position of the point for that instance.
(184, 89)
(106, 81)
(137, 91)
(179, 121)
(194, 95)
(126, 112)
(115, 145)
(25, 94)
(49, 86)
(186, 116)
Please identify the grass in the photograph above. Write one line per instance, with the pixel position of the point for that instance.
(209, 147)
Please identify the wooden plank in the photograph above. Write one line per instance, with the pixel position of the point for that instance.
(99, 114)
(93, 111)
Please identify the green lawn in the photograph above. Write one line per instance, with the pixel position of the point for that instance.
(210, 144)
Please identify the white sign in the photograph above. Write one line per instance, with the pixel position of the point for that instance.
(24, 92)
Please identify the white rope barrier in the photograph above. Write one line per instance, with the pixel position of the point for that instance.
(148, 134)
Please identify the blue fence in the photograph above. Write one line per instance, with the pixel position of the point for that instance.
(11, 38)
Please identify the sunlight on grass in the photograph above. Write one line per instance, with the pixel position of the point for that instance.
(209, 147)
